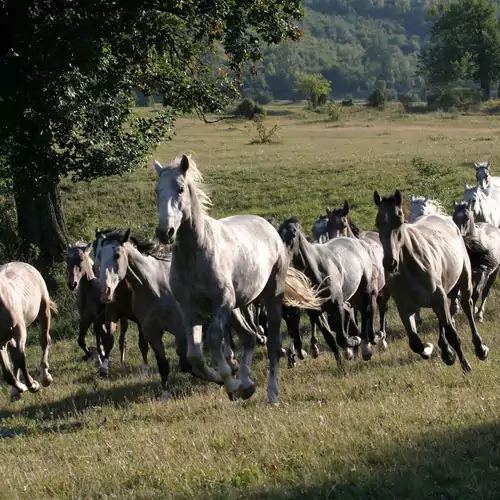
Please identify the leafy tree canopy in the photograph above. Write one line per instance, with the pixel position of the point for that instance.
(68, 69)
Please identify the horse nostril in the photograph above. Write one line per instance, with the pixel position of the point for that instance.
(170, 232)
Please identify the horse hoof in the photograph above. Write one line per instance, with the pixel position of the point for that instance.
(466, 367)
(103, 373)
(302, 354)
(482, 352)
(87, 357)
(46, 379)
(314, 351)
(375, 340)
(35, 386)
(282, 353)
(426, 353)
(383, 345)
(233, 396)
(355, 341)
(235, 366)
(480, 318)
(448, 357)
(247, 392)
(367, 355)
(261, 340)
(349, 353)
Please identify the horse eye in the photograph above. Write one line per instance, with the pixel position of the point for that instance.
(181, 190)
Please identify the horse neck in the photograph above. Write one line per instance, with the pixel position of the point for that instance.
(471, 228)
(141, 268)
(192, 233)
(349, 232)
(303, 258)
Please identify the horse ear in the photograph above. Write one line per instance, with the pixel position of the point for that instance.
(126, 236)
(488, 164)
(88, 248)
(328, 211)
(184, 164)
(346, 207)
(476, 166)
(426, 197)
(158, 167)
(455, 203)
(376, 198)
(412, 197)
(398, 197)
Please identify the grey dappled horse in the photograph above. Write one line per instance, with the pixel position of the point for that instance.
(24, 298)
(426, 262)
(423, 205)
(340, 224)
(320, 230)
(219, 266)
(485, 203)
(488, 235)
(484, 178)
(343, 269)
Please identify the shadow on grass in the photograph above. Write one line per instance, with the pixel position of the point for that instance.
(451, 464)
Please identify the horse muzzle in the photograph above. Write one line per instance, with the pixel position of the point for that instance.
(71, 285)
(390, 265)
(166, 237)
(106, 296)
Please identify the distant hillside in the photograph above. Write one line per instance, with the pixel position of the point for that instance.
(352, 43)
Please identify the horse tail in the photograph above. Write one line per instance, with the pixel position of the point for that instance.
(53, 306)
(299, 291)
(481, 258)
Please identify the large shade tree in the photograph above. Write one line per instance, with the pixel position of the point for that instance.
(464, 44)
(68, 68)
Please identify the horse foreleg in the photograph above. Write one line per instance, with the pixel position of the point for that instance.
(221, 318)
(143, 347)
(440, 307)
(481, 349)
(194, 354)
(291, 315)
(336, 320)
(122, 341)
(383, 306)
(155, 339)
(416, 344)
(314, 338)
(82, 332)
(248, 341)
(322, 323)
(274, 315)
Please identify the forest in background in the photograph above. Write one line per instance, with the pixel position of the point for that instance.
(353, 43)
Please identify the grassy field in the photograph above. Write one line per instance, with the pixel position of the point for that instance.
(395, 427)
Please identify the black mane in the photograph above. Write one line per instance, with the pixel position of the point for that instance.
(146, 247)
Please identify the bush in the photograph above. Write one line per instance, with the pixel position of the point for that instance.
(264, 97)
(332, 111)
(249, 109)
(406, 98)
(264, 135)
(377, 99)
(347, 101)
(454, 98)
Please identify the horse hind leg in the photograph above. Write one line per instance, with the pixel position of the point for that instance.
(17, 387)
(291, 315)
(18, 355)
(122, 341)
(82, 332)
(314, 338)
(45, 341)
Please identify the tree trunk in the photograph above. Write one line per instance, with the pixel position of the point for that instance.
(486, 88)
(40, 219)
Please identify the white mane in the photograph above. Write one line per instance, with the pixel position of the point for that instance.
(195, 180)
(422, 205)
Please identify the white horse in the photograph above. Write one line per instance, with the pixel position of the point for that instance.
(484, 178)
(484, 203)
(221, 265)
(423, 205)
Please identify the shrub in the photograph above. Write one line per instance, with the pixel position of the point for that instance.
(264, 97)
(377, 99)
(332, 111)
(347, 101)
(249, 109)
(265, 135)
(450, 99)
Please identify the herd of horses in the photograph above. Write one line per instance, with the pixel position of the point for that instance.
(203, 279)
